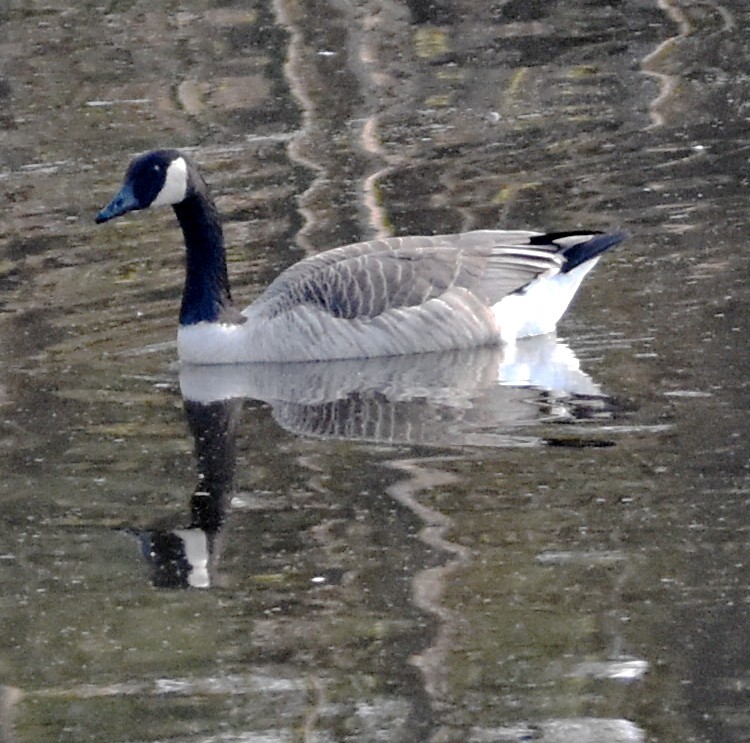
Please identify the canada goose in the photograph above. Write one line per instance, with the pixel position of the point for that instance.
(383, 297)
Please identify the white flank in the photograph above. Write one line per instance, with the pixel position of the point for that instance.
(537, 309)
(174, 189)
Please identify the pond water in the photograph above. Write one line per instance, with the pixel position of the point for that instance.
(549, 545)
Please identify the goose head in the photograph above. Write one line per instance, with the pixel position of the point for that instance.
(160, 177)
(167, 177)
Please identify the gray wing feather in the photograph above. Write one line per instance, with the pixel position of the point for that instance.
(364, 280)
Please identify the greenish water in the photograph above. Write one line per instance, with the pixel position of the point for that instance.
(432, 552)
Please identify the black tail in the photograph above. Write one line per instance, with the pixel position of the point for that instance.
(584, 251)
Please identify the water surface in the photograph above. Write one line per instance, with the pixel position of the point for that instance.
(469, 550)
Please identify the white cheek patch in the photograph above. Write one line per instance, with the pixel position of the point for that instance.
(174, 189)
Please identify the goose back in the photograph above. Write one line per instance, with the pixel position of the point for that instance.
(366, 279)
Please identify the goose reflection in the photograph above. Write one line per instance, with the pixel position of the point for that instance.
(481, 397)
(184, 557)
(484, 397)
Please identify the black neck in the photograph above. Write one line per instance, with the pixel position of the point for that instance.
(206, 295)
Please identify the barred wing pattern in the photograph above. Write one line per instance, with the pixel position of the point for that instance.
(366, 279)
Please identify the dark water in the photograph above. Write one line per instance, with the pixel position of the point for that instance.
(477, 548)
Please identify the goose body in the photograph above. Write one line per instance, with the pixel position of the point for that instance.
(383, 297)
